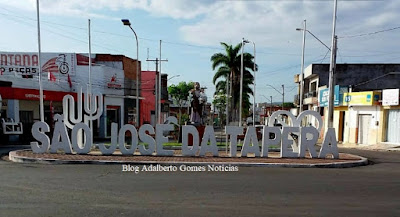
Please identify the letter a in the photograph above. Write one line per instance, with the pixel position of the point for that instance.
(60, 137)
(329, 146)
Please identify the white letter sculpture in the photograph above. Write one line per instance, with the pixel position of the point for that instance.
(93, 108)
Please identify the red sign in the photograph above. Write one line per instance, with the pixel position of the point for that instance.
(113, 82)
(32, 94)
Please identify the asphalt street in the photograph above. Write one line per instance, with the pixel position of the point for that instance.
(104, 190)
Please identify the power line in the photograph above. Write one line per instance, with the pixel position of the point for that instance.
(370, 55)
(340, 56)
(298, 0)
(325, 56)
(285, 68)
(59, 34)
(370, 33)
(141, 38)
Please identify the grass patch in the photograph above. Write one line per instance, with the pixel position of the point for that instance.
(178, 144)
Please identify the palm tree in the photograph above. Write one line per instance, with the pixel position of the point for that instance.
(228, 65)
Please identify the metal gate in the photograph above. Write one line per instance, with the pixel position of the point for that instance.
(364, 122)
(393, 126)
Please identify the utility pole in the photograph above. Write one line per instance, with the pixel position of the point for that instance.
(254, 91)
(147, 58)
(157, 88)
(89, 90)
(271, 106)
(241, 84)
(302, 69)
(227, 111)
(332, 67)
(41, 103)
(283, 95)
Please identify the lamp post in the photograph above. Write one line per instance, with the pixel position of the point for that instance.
(270, 111)
(175, 76)
(332, 67)
(254, 91)
(304, 30)
(241, 83)
(127, 23)
(282, 93)
(302, 68)
(41, 103)
(270, 108)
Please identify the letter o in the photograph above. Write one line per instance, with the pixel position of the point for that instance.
(282, 112)
(313, 113)
(121, 139)
(88, 141)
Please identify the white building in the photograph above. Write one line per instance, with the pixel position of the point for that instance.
(62, 74)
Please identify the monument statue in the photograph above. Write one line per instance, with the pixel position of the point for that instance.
(198, 101)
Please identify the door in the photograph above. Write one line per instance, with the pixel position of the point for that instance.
(364, 122)
(341, 125)
(113, 116)
(26, 117)
(393, 126)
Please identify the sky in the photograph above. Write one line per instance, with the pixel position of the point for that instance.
(191, 31)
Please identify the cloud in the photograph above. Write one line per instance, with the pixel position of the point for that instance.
(272, 24)
(177, 9)
(180, 8)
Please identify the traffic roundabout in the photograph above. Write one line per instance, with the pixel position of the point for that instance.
(273, 160)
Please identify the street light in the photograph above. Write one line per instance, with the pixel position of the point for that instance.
(175, 76)
(41, 103)
(270, 100)
(254, 91)
(241, 83)
(302, 68)
(300, 29)
(282, 93)
(332, 68)
(127, 23)
(304, 30)
(254, 69)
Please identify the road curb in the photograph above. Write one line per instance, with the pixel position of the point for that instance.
(13, 156)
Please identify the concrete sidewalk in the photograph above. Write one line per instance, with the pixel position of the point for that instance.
(273, 160)
(373, 147)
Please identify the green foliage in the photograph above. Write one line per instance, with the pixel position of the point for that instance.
(180, 92)
(220, 103)
(288, 105)
(219, 100)
(228, 66)
(184, 118)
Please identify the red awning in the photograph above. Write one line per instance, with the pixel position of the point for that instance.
(33, 94)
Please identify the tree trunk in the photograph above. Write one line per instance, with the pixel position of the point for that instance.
(231, 99)
(179, 122)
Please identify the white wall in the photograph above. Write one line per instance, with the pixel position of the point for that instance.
(353, 123)
(113, 101)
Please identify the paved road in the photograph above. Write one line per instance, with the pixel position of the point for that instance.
(103, 190)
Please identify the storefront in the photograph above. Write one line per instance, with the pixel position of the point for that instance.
(340, 112)
(390, 103)
(63, 74)
(363, 123)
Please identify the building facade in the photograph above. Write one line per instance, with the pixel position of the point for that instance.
(149, 80)
(361, 115)
(63, 74)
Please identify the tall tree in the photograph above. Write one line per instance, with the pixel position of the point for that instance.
(220, 103)
(228, 68)
(179, 94)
